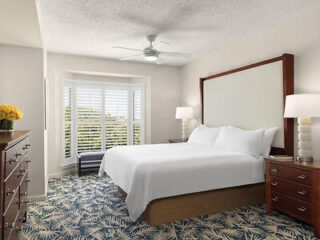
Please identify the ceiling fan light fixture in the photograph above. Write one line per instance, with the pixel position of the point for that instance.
(150, 58)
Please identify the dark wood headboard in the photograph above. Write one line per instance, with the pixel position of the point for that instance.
(288, 88)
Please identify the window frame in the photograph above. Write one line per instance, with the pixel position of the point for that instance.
(74, 84)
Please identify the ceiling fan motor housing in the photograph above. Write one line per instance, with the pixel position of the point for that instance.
(150, 52)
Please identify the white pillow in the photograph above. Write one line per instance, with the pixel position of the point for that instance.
(245, 141)
(267, 141)
(204, 135)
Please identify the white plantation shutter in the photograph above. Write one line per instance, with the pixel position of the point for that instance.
(137, 116)
(116, 117)
(67, 121)
(100, 116)
(89, 119)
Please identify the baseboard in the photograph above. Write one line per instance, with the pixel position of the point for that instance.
(65, 171)
(37, 198)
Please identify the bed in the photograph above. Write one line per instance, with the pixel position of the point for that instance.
(167, 182)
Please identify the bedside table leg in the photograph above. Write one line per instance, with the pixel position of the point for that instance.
(268, 210)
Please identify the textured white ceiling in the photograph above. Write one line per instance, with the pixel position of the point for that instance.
(19, 23)
(92, 27)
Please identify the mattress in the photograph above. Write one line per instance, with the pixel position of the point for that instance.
(149, 172)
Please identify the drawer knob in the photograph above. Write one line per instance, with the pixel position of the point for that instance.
(275, 199)
(20, 175)
(10, 192)
(28, 180)
(28, 145)
(23, 194)
(302, 176)
(303, 192)
(274, 170)
(8, 226)
(13, 161)
(25, 147)
(28, 161)
(274, 184)
(302, 209)
(18, 154)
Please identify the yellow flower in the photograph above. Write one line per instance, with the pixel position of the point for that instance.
(10, 113)
(11, 117)
(2, 115)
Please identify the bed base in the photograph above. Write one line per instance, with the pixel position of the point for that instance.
(169, 209)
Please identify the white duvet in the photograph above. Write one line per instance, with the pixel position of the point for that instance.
(148, 172)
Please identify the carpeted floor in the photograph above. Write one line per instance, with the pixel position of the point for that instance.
(91, 208)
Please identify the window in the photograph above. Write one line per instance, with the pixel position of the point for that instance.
(97, 117)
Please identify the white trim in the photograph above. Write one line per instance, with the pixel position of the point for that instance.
(67, 170)
(37, 198)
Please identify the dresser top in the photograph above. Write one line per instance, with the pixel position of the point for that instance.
(293, 163)
(9, 138)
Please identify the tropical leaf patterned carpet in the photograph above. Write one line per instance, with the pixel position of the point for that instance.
(89, 207)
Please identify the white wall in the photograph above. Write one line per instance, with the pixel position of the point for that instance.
(164, 96)
(299, 36)
(21, 85)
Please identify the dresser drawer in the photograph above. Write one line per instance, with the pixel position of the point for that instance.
(291, 189)
(23, 191)
(11, 186)
(10, 217)
(24, 166)
(292, 207)
(290, 173)
(14, 155)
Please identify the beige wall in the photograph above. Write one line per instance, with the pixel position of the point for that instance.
(299, 36)
(21, 85)
(164, 92)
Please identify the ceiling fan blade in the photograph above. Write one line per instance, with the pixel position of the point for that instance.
(133, 49)
(175, 54)
(126, 58)
(160, 42)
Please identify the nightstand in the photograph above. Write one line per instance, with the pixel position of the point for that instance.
(178, 140)
(294, 189)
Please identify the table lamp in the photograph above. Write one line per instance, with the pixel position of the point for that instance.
(304, 107)
(184, 113)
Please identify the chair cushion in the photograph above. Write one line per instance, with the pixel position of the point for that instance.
(91, 156)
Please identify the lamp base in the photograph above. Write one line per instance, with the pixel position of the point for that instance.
(304, 159)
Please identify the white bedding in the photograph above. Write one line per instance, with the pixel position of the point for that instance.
(148, 172)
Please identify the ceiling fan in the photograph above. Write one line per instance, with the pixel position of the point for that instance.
(151, 54)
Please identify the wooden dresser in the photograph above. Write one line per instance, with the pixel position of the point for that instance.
(294, 189)
(14, 148)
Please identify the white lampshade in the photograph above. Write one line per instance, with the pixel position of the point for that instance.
(302, 106)
(184, 113)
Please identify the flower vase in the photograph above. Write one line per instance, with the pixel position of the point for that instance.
(6, 125)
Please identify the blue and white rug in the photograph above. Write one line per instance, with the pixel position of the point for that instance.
(89, 207)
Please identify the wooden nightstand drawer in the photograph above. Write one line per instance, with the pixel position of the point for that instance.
(292, 207)
(291, 189)
(294, 174)
(294, 188)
